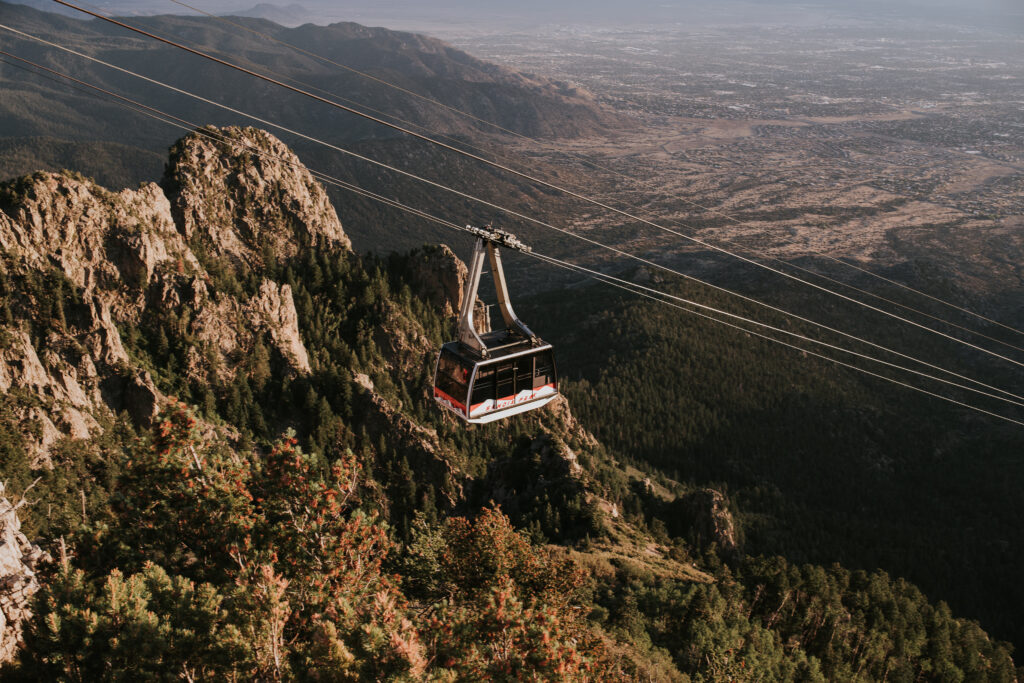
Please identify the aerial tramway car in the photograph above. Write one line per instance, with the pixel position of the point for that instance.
(485, 376)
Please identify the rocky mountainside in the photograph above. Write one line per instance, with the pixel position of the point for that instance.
(85, 270)
(19, 560)
(231, 206)
(123, 256)
(217, 415)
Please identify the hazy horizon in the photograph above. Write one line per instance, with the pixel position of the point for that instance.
(451, 16)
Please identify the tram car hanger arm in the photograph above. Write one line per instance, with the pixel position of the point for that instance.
(487, 242)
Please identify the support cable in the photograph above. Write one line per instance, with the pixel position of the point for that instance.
(524, 217)
(601, 278)
(620, 174)
(635, 288)
(529, 177)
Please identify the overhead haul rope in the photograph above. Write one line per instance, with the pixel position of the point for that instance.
(527, 176)
(594, 164)
(603, 278)
(518, 214)
(635, 288)
(616, 172)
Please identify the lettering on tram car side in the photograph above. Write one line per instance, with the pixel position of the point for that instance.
(502, 403)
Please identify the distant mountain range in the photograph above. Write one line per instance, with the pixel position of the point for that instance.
(46, 124)
(286, 15)
(529, 105)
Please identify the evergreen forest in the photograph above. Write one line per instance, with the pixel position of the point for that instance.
(270, 527)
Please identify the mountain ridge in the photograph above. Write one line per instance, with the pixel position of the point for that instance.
(532, 106)
(198, 509)
(104, 140)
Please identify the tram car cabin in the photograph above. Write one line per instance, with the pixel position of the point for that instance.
(512, 381)
(483, 377)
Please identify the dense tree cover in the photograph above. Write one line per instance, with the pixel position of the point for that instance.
(333, 554)
(821, 464)
(215, 563)
(220, 564)
(774, 621)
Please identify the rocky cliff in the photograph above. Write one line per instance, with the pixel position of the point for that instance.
(707, 515)
(19, 561)
(118, 258)
(218, 187)
(179, 273)
(116, 301)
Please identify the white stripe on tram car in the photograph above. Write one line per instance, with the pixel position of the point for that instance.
(504, 406)
(508, 412)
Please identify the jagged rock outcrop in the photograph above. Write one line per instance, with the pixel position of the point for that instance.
(230, 329)
(108, 245)
(419, 445)
(707, 513)
(439, 276)
(563, 422)
(65, 392)
(100, 240)
(273, 310)
(107, 248)
(118, 259)
(220, 184)
(401, 340)
(19, 560)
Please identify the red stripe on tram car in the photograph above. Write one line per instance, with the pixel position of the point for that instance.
(440, 394)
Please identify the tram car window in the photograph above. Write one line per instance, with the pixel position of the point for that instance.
(483, 385)
(453, 375)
